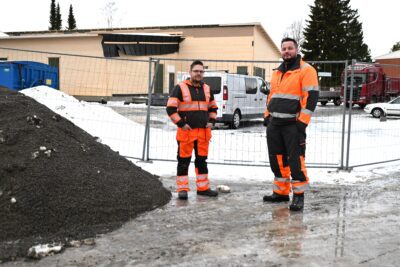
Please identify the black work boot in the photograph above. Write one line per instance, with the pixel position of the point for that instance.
(297, 202)
(183, 195)
(275, 198)
(208, 193)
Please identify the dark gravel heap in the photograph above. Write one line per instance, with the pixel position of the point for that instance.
(72, 189)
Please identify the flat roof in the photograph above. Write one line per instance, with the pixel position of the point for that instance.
(98, 31)
(18, 33)
(392, 55)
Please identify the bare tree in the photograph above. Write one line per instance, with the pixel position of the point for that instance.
(109, 13)
(295, 31)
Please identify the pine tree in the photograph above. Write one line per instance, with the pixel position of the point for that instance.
(395, 47)
(52, 15)
(58, 18)
(333, 32)
(356, 48)
(71, 19)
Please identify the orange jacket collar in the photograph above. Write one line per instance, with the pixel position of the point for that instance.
(188, 82)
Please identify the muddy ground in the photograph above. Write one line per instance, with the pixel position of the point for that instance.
(340, 226)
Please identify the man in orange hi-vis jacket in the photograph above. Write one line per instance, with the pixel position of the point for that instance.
(191, 106)
(291, 102)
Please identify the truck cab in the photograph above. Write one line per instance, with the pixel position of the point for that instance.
(369, 84)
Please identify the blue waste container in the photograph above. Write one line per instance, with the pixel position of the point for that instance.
(18, 75)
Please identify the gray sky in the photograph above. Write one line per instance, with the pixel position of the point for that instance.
(380, 19)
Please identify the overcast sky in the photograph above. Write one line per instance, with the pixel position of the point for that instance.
(380, 19)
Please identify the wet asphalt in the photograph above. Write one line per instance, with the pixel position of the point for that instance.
(355, 225)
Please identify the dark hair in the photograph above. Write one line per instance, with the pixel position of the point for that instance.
(196, 62)
(288, 39)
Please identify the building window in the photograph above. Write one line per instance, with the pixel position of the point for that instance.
(260, 72)
(3, 59)
(242, 70)
(159, 82)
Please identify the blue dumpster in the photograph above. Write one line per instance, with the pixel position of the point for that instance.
(18, 75)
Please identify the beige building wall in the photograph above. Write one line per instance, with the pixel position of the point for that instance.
(77, 44)
(83, 76)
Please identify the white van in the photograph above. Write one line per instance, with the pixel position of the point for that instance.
(239, 97)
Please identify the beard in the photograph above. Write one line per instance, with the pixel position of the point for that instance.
(290, 59)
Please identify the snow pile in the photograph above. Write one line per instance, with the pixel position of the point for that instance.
(119, 133)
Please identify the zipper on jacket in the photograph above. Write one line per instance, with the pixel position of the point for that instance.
(197, 94)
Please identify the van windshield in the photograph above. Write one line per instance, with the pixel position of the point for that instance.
(214, 83)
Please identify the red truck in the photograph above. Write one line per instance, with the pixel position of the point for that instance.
(370, 84)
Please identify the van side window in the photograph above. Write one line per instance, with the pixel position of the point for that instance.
(251, 85)
(214, 83)
(260, 83)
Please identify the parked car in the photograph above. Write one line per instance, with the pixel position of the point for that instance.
(391, 108)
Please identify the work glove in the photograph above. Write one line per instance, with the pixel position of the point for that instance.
(266, 121)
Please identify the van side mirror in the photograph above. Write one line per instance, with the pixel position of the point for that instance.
(265, 88)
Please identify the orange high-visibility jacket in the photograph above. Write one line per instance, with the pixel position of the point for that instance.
(192, 105)
(294, 93)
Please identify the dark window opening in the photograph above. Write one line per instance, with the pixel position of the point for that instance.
(55, 62)
(242, 70)
(159, 82)
(260, 72)
(171, 81)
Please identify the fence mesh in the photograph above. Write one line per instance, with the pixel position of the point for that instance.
(93, 78)
(337, 136)
(247, 145)
(374, 125)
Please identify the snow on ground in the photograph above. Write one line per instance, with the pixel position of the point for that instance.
(227, 173)
(122, 104)
(372, 140)
(114, 130)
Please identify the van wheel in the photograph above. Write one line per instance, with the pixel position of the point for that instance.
(323, 103)
(377, 112)
(337, 102)
(235, 123)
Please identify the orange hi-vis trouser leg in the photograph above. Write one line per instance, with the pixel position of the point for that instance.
(197, 139)
(286, 154)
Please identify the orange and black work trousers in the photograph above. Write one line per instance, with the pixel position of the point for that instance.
(286, 147)
(197, 139)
